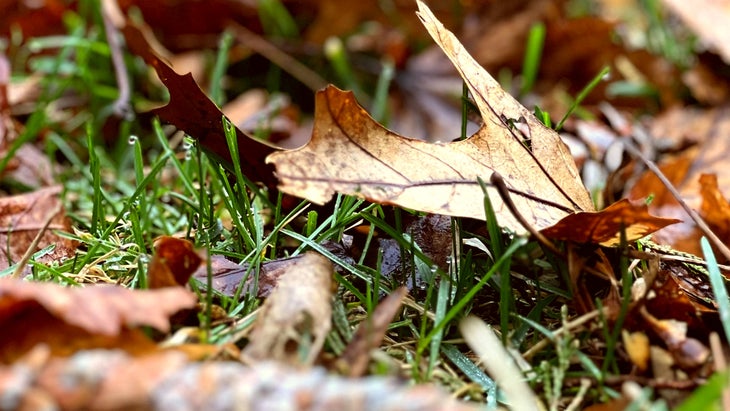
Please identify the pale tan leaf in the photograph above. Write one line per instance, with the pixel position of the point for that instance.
(351, 153)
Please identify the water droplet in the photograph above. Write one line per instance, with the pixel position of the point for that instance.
(188, 155)
(606, 76)
(434, 268)
(132, 140)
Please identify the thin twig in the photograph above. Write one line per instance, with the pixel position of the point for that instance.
(692, 213)
(121, 106)
(498, 182)
(567, 327)
(299, 71)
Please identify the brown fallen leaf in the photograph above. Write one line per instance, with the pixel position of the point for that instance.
(69, 319)
(715, 209)
(293, 322)
(370, 333)
(22, 216)
(604, 227)
(351, 153)
(191, 110)
(167, 380)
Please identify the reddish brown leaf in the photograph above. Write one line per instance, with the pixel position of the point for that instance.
(715, 209)
(71, 318)
(604, 227)
(191, 110)
(173, 264)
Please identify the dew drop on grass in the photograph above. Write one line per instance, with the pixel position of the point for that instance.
(132, 140)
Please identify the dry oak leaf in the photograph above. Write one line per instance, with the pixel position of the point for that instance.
(352, 154)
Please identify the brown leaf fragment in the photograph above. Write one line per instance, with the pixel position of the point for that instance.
(370, 333)
(191, 110)
(351, 153)
(604, 227)
(107, 379)
(173, 264)
(637, 347)
(708, 130)
(22, 216)
(229, 277)
(432, 235)
(72, 318)
(294, 321)
(715, 209)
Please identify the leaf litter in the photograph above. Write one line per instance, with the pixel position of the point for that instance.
(516, 132)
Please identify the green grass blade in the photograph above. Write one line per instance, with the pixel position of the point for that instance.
(718, 286)
(583, 94)
(707, 397)
(473, 372)
(533, 55)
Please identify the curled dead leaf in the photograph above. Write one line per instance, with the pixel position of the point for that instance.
(297, 315)
(173, 264)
